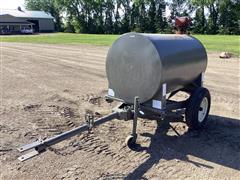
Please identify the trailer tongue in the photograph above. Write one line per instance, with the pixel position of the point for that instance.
(41, 145)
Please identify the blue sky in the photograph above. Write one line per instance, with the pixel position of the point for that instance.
(11, 4)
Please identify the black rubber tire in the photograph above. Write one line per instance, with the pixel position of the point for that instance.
(130, 141)
(193, 106)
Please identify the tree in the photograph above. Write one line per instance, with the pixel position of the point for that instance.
(223, 16)
(126, 15)
(213, 7)
(109, 17)
(229, 17)
(120, 16)
(161, 20)
(117, 23)
(152, 17)
(199, 21)
(180, 7)
(98, 16)
(134, 21)
(142, 18)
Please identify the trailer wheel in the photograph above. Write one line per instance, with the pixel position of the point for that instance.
(197, 109)
(130, 141)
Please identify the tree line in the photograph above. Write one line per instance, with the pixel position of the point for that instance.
(120, 16)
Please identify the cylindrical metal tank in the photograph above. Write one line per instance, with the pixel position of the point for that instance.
(139, 64)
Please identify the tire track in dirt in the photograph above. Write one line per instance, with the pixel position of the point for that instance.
(88, 68)
(76, 54)
(66, 60)
(57, 66)
(69, 61)
(81, 71)
(67, 47)
(77, 58)
(230, 79)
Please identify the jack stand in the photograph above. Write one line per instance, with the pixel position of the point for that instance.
(131, 139)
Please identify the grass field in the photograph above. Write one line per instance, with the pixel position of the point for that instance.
(211, 42)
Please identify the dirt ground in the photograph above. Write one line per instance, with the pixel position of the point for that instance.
(46, 90)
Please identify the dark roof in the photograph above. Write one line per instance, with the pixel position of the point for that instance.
(25, 14)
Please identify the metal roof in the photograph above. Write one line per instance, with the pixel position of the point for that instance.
(25, 14)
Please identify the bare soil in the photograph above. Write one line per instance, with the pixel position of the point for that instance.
(46, 90)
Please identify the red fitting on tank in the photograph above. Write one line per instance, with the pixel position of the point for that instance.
(182, 24)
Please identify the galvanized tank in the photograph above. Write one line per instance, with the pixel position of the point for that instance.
(139, 64)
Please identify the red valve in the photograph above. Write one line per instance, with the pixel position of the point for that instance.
(182, 24)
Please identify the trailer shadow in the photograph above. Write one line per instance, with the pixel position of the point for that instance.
(218, 142)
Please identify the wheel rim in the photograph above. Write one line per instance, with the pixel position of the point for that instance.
(203, 110)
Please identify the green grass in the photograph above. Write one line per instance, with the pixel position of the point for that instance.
(62, 38)
(211, 42)
(229, 43)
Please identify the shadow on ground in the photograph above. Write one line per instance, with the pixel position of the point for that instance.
(218, 142)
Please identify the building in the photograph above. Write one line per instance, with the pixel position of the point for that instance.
(16, 21)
